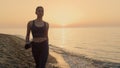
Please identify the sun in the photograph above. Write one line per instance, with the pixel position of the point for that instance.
(63, 16)
(63, 19)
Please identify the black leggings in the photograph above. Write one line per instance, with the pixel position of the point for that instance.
(40, 53)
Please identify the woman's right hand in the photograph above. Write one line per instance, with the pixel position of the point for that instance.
(28, 45)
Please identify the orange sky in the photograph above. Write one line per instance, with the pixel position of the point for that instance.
(16, 13)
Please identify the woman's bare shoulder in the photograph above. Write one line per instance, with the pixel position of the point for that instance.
(30, 23)
(46, 23)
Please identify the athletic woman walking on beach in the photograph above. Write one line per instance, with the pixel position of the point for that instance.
(39, 29)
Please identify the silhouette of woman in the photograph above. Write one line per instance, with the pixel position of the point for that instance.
(39, 29)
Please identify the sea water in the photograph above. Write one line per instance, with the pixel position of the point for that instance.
(102, 43)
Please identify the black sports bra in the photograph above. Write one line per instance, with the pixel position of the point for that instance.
(38, 31)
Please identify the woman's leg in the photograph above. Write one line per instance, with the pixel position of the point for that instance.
(40, 53)
(44, 55)
(36, 53)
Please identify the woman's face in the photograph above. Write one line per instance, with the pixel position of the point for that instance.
(40, 12)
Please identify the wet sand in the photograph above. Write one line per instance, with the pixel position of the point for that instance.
(13, 54)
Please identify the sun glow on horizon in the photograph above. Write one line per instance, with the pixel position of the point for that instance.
(63, 15)
(66, 17)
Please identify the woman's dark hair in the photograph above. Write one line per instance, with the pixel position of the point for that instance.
(39, 7)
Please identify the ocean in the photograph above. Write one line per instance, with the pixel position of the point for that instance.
(101, 43)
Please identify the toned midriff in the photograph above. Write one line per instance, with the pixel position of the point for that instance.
(39, 39)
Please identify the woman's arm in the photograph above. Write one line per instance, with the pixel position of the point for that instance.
(28, 33)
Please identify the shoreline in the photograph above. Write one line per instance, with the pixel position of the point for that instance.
(61, 63)
(75, 61)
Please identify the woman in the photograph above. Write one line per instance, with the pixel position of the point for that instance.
(39, 29)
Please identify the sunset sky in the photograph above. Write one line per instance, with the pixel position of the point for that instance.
(72, 13)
